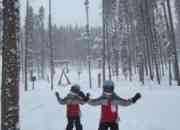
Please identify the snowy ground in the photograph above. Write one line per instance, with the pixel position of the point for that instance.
(158, 109)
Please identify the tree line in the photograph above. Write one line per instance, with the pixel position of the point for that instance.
(69, 43)
(141, 35)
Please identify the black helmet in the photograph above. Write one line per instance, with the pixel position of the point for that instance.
(108, 86)
(75, 88)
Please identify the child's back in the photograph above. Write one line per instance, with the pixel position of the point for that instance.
(72, 102)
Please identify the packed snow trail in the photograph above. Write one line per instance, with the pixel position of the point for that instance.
(157, 110)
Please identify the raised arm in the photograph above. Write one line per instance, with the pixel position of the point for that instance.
(69, 100)
(60, 100)
(125, 102)
(120, 101)
(98, 101)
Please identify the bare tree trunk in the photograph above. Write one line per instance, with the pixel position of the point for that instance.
(26, 48)
(88, 42)
(168, 35)
(161, 56)
(43, 56)
(149, 36)
(170, 73)
(10, 72)
(52, 71)
(130, 59)
(146, 20)
(108, 51)
(155, 45)
(104, 43)
(116, 58)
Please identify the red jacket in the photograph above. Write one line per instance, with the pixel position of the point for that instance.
(109, 113)
(73, 110)
(72, 102)
(109, 106)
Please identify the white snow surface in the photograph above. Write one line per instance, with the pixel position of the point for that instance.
(159, 108)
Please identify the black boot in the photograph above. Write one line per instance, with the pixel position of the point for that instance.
(70, 124)
(78, 124)
(114, 126)
(103, 126)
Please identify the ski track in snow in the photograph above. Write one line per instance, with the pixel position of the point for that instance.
(157, 110)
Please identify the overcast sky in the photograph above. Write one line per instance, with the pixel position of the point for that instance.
(68, 11)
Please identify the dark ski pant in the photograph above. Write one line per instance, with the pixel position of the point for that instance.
(74, 121)
(106, 126)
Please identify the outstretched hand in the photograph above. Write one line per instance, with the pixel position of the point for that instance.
(88, 94)
(57, 94)
(136, 97)
(86, 99)
(81, 94)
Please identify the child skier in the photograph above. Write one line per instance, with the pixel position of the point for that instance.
(72, 100)
(109, 102)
